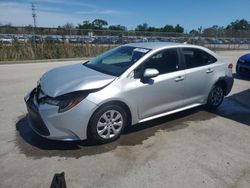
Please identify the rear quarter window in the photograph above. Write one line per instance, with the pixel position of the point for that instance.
(195, 57)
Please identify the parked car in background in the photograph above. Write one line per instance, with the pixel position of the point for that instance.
(73, 40)
(126, 85)
(53, 39)
(6, 39)
(22, 39)
(243, 65)
(84, 40)
(36, 38)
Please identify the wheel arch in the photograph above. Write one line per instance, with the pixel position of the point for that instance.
(113, 102)
(222, 82)
(227, 83)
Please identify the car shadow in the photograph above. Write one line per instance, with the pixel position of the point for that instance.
(32, 145)
(240, 77)
(236, 107)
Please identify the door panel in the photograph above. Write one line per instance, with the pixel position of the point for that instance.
(195, 87)
(164, 92)
(200, 70)
(161, 94)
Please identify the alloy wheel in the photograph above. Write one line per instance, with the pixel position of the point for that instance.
(217, 96)
(110, 124)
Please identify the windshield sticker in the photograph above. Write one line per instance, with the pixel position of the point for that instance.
(142, 50)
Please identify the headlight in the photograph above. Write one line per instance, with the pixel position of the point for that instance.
(242, 61)
(67, 101)
(50, 100)
(66, 105)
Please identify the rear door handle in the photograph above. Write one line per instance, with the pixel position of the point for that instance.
(179, 78)
(209, 71)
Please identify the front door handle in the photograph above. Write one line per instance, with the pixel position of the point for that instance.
(209, 71)
(179, 78)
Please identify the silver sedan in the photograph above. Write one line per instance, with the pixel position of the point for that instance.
(124, 86)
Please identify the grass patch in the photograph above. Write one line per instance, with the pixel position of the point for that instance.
(26, 51)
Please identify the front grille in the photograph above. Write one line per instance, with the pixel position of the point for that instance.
(36, 120)
(39, 94)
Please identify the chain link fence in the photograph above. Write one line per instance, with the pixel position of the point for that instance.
(110, 36)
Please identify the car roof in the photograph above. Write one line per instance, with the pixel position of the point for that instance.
(157, 45)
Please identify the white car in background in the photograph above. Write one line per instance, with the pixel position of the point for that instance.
(6, 39)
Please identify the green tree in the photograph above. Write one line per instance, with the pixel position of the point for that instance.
(117, 28)
(194, 32)
(142, 27)
(168, 28)
(214, 31)
(178, 29)
(68, 26)
(99, 23)
(154, 29)
(210, 32)
(85, 25)
(239, 25)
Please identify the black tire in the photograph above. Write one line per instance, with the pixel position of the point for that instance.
(97, 117)
(215, 97)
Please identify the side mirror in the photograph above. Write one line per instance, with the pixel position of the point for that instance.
(150, 73)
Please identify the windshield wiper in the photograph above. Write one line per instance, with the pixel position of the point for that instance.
(85, 62)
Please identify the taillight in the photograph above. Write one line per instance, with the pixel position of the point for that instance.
(230, 66)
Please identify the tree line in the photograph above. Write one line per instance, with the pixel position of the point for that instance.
(240, 26)
(233, 28)
(99, 24)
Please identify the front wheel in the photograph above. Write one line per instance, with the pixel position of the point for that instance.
(107, 124)
(215, 97)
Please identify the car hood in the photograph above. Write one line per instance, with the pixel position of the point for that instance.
(246, 57)
(67, 79)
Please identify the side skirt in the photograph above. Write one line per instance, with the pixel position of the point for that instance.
(170, 112)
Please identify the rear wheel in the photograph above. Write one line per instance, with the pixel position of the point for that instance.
(107, 124)
(215, 97)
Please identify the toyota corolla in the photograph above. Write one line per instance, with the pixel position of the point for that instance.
(127, 85)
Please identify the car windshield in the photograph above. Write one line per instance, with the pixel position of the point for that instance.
(118, 60)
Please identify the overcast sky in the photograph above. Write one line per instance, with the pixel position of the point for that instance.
(189, 13)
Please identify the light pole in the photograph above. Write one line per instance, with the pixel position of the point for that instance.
(34, 26)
